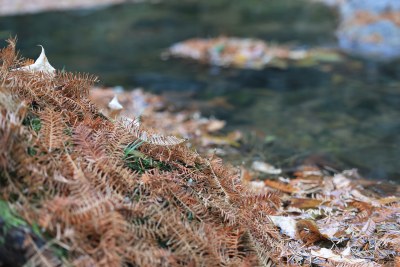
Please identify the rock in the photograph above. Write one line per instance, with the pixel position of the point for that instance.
(370, 28)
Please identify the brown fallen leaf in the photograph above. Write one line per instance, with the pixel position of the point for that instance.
(305, 203)
(362, 206)
(287, 188)
(308, 231)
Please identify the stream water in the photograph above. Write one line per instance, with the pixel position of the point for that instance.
(344, 113)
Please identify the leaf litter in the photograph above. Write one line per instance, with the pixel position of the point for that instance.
(247, 53)
(334, 220)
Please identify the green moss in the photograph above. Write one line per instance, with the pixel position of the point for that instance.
(9, 219)
(31, 151)
(139, 162)
(33, 122)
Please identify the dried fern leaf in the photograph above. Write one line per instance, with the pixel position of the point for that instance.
(151, 138)
(52, 130)
(83, 140)
(75, 85)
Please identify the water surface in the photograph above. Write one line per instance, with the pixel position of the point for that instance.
(345, 114)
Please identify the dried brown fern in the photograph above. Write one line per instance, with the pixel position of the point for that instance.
(158, 204)
(52, 129)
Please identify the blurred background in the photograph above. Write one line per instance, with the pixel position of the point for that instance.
(339, 108)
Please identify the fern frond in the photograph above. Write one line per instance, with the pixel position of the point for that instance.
(51, 133)
(151, 138)
(9, 58)
(82, 139)
(269, 202)
(186, 210)
(75, 85)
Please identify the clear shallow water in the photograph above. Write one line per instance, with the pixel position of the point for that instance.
(344, 114)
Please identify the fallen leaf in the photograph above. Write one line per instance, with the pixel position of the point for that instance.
(41, 65)
(330, 232)
(306, 170)
(265, 168)
(369, 228)
(360, 197)
(308, 232)
(286, 224)
(114, 104)
(305, 203)
(341, 182)
(287, 188)
(215, 125)
(329, 254)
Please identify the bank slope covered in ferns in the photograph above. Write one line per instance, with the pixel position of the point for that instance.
(69, 169)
